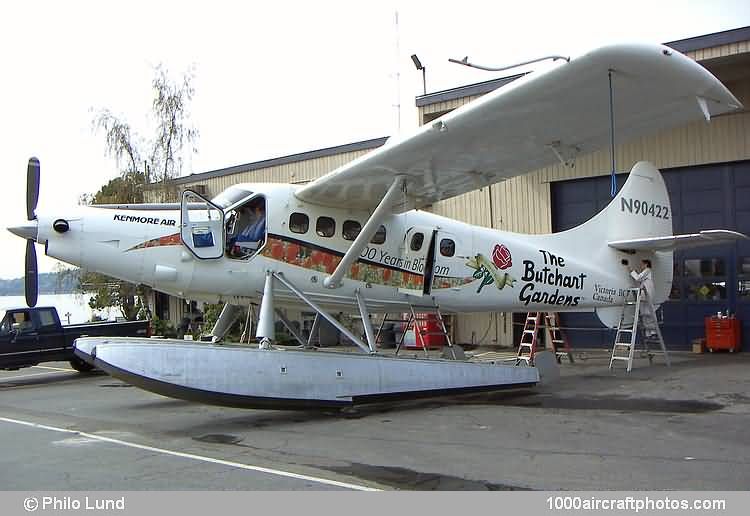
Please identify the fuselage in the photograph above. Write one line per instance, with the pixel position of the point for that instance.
(461, 267)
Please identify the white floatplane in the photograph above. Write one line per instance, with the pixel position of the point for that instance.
(356, 240)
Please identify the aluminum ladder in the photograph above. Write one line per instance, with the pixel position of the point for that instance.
(557, 339)
(415, 317)
(634, 320)
(527, 346)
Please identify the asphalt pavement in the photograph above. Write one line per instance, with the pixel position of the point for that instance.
(686, 427)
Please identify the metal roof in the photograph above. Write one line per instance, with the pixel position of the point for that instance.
(711, 40)
(478, 88)
(682, 45)
(284, 160)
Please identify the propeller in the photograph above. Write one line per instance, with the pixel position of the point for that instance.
(31, 278)
(32, 188)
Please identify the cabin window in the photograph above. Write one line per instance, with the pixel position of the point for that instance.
(350, 229)
(325, 226)
(379, 236)
(299, 223)
(447, 247)
(416, 241)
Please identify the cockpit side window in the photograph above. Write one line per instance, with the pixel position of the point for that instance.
(246, 229)
(230, 196)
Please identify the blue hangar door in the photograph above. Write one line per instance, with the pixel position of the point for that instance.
(707, 279)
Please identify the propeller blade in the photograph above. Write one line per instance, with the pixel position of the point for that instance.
(31, 277)
(32, 188)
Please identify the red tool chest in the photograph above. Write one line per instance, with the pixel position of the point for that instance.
(722, 333)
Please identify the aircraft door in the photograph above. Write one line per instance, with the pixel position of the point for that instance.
(201, 226)
(418, 254)
(449, 259)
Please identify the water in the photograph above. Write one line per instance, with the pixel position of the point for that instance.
(77, 305)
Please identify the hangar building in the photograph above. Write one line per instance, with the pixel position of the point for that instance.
(706, 167)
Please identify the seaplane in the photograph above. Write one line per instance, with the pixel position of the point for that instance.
(360, 240)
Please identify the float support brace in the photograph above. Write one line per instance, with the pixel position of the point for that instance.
(328, 317)
(290, 327)
(266, 332)
(314, 332)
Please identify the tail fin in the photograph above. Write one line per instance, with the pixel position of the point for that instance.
(637, 225)
(640, 211)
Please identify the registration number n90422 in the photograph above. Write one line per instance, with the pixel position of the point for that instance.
(645, 208)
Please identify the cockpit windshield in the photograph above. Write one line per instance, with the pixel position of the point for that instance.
(231, 196)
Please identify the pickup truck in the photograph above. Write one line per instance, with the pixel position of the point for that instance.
(29, 336)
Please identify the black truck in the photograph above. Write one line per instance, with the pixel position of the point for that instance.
(29, 336)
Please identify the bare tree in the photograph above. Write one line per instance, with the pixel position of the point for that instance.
(119, 141)
(173, 131)
(170, 110)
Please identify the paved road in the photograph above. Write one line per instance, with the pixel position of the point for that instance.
(687, 427)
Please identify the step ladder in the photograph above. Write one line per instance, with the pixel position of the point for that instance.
(638, 318)
(557, 339)
(527, 346)
(416, 320)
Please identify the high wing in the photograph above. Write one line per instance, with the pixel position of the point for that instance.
(672, 242)
(529, 124)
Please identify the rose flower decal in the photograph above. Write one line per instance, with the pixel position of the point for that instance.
(501, 257)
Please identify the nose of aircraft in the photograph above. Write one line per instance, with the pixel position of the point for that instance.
(29, 230)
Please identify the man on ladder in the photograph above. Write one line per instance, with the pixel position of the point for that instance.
(646, 281)
(638, 310)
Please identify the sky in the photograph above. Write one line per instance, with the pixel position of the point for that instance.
(271, 78)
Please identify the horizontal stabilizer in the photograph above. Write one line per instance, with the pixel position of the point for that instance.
(672, 242)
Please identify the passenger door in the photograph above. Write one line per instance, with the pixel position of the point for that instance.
(201, 226)
(418, 254)
(450, 260)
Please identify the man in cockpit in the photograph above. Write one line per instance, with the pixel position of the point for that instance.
(251, 237)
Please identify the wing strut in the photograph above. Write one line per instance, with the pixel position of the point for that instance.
(371, 226)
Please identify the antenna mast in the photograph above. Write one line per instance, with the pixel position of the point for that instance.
(397, 75)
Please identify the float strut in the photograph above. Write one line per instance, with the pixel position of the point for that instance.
(228, 316)
(266, 332)
(365, 320)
